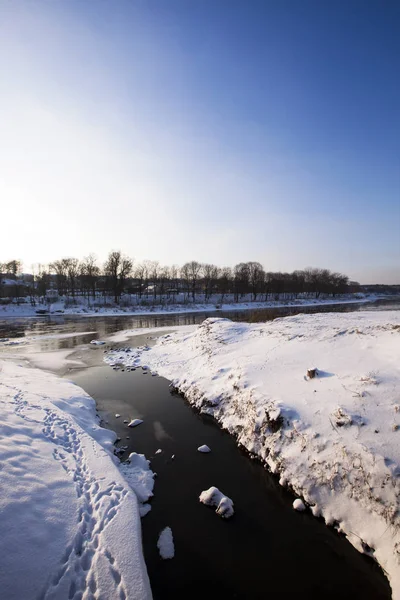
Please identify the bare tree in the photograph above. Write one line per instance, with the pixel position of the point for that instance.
(154, 271)
(163, 279)
(43, 281)
(72, 270)
(191, 272)
(140, 275)
(117, 268)
(210, 274)
(256, 276)
(59, 267)
(90, 272)
(185, 276)
(147, 265)
(173, 280)
(11, 270)
(241, 280)
(224, 281)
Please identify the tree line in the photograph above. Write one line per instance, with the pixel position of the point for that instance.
(119, 275)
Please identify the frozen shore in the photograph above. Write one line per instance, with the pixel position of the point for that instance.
(83, 309)
(333, 439)
(69, 521)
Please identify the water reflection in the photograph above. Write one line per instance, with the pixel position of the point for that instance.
(88, 328)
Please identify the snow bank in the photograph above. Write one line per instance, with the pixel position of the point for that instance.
(135, 309)
(213, 497)
(334, 439)
(69, 521)
(141, 479)
(165, 544)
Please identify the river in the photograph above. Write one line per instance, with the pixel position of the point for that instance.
(267, 549)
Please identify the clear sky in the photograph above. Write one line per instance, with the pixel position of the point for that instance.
(214, 130)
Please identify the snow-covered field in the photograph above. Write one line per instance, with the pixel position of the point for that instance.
(83, 309)
(334, 439)
(69, 520)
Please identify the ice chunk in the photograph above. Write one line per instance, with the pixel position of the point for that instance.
(135, 422)
(204, 448)
(213, 497)
(117, 415)
(165, 544)
(144, 509)
(299, 505)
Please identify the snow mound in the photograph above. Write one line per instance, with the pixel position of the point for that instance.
(213, 497)
(165, 544)
(204, 448)
(68, 518)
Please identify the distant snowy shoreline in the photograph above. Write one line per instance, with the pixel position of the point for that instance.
(334, 439)
(58, 309)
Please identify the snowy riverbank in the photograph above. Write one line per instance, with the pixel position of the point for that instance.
(69, 521)
(82, 308)
(334, 439)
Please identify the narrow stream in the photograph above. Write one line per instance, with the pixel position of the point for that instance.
(266, 550)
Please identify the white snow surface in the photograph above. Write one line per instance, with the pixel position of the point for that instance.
(69, 522)
(165, 544)
(214, 497)
(334, 439)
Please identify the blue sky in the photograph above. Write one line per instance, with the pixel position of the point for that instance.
(211, 130)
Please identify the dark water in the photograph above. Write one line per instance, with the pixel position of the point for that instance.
(104, 326)
(267, 550)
